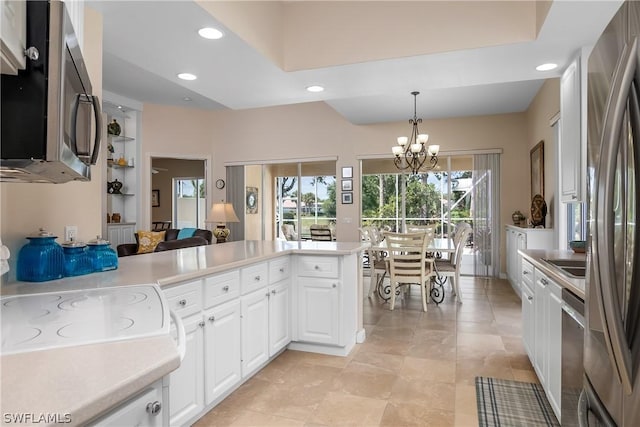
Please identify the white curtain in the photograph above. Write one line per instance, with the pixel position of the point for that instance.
(486, 214)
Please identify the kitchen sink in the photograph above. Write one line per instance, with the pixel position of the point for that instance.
(571, 267)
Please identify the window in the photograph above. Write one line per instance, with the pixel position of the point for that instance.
(576, 222)
(189, 208)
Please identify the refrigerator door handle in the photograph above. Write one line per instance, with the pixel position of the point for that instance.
(603, 235)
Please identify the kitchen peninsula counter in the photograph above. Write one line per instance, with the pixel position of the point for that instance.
(87, 380)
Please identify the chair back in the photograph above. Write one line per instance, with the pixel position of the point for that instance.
(320, 232)
(429, 230)
(407, 255)
(289, 232)
(460, 241)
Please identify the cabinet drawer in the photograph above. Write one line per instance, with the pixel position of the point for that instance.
(318, 266)
(253, 277)
(279, 270)
(185, 299)
(221, 288)
(527, 273)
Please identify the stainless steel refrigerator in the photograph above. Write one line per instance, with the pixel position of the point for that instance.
(611, 394)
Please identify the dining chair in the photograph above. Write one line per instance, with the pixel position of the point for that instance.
(377, 262)
(408, 264)
(451, 268)
(289, 232)
(320, 232)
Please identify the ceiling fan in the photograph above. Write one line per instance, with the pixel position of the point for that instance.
(155, 170)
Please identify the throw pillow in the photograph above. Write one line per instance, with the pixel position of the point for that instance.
(186, 232)
(148, 240)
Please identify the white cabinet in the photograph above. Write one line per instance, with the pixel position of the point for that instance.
(186, 384)
(524, 238)
(144, 410)
(279, 316)
(528, 314)
(319, 311)
(255, 331)
(570, 144)
(547, 320)
(222, 349)
(119, 234)
(13, 36)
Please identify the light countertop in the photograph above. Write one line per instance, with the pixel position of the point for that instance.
(86, 380)
(536, 256)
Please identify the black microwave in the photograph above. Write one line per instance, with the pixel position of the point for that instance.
(50, 120)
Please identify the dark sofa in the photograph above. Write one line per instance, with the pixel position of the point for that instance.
(200, 237)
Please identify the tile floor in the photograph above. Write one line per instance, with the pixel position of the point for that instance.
(415, 368)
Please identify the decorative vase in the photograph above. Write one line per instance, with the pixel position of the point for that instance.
(538, 211)
(117, 186)
(113, 128)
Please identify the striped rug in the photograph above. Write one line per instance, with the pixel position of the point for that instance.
(508, 403)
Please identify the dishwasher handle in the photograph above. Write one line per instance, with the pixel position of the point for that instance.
(573, 314)
(182, 338)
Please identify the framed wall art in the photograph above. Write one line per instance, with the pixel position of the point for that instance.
(252, 200)
(155, 198)
(347, 198)
(537, 169)
(347, 185)
(347, 172)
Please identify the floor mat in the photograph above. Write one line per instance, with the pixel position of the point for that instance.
(512, 403)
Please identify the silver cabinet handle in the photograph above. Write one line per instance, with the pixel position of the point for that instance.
(529, 297)
(544, 282)
(281, 269)
(273, 292)
(525, 272)
(226, 288)
(201, 324)
(182, 302)
(267, 294)
(154, 408)
(257, 278)
(212, 318)
(317, 267)
(334, 285)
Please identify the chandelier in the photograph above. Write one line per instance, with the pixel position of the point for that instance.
(412, 153)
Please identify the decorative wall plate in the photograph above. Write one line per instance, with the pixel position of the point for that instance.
(252, 200)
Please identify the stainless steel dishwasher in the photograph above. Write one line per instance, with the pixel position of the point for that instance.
(572, 349)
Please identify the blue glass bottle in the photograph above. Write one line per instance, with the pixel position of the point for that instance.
(41, 259)
(103, 258)
(76, 259)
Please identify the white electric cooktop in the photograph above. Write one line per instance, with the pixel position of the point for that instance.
(61, 319)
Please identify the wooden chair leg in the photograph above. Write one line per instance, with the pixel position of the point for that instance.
(393, 294)
(373, 282)
(423, 288)
(456, 287)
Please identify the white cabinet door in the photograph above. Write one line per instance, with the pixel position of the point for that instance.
(279, 317)
(541, 329)
(255, 331)
(319, 311)
(13, 36)
(119, 234)
(222, 349)
(144, 410)
(186, 384)
(570, 137)
(554, 353)
(528, 320)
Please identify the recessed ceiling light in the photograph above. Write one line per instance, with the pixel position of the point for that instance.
(547, 67)
(210, 33)
(187, 76)
(315, 88)
(186, 98)
(119, 107)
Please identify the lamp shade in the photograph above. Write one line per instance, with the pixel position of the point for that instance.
(222, 213)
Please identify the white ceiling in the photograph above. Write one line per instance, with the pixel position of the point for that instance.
(146, 43)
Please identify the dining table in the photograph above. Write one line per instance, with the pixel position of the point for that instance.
(437, 246)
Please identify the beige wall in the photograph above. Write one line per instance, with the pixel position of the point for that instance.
(27, 207)
(253, 222)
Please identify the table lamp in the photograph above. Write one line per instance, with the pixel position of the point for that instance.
(222, 213)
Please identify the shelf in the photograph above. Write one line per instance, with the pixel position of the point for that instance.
(120, 138)
(118, 166)
(120, 194)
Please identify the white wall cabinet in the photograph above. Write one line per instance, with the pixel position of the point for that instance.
(523, 238)
(13, 36)
(222, 349)
(570, 144)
